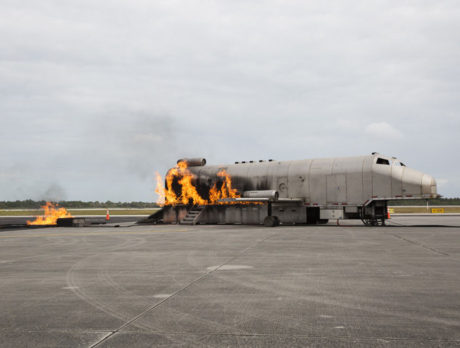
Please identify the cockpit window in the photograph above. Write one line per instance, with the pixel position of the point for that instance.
(402, 164)
(383, 161)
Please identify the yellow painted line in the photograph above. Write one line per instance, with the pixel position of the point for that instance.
(64, 234)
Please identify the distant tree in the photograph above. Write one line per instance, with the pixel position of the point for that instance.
(31, 204)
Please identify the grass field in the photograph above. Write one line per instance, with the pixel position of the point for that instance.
(425, 210)
(76, 212)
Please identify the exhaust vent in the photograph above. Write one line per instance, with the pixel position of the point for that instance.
(267, 194)
(193, 162)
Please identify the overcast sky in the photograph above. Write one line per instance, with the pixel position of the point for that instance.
(95, 96)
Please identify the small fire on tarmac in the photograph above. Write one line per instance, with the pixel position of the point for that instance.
(50, 215)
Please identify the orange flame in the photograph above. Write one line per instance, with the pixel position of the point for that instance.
(160, 190)
(189, 193)
(226, 191)
(50, 216)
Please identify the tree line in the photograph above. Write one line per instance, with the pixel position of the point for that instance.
(31, 204)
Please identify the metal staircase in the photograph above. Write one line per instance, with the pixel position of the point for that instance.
(193, 215)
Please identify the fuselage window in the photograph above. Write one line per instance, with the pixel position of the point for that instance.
(383, 161)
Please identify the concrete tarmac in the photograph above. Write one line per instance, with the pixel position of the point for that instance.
(5, 221)
(250, 286)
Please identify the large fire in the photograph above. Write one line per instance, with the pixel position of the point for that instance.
(50, 215)
(188, 192)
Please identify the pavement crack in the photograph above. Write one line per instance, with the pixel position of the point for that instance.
(418, 244)
(154, 306)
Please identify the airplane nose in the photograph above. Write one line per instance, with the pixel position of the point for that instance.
(429, 185)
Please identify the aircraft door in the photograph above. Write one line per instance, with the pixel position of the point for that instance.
(336, 188)
(397, 170)
(381, 178)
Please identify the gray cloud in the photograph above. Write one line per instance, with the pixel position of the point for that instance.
(97, 96)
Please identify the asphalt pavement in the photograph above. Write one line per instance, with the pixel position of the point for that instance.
(225, 286)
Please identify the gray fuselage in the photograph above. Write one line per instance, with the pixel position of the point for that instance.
(352, 181)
